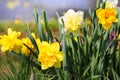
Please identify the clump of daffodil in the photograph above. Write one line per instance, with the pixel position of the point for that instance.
(106, 17)
(50, 55)
(111, 3)
(26, 41)
(10, 41)
(72, 20)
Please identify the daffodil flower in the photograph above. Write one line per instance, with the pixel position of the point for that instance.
(50, 55)
(10, 42)
(106, 17)
(27, 42)
(72, 20)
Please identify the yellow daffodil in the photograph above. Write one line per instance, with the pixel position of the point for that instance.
(106, 17)
(50, 55)
(27, 42)
(88, 21)
(12, 4)
(119, 39)
(119, 36)
(16, 21)
(111, 3)
(75, 38)
(38, 42)
(10, 42)
(72, 20)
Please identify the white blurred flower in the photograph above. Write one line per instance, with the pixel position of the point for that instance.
(111, 3)
(72, 20)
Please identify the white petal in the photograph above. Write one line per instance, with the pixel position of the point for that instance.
(80, 13)
(69, 12)
(112, 2)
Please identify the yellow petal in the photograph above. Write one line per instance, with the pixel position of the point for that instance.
(57, 64)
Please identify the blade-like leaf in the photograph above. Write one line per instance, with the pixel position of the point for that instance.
(38, 25)
(49, 34)
(32, 39)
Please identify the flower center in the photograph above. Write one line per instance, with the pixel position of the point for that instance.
(106, 17)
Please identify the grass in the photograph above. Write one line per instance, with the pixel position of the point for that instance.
(21, 26)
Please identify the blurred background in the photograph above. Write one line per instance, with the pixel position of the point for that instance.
(23, 9)
(15, 13)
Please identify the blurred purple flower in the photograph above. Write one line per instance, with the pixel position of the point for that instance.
(111, 36)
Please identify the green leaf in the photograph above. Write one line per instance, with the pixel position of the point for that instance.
(38, 25)
(60, 26)
(94, 77)
(115, 75)
(49, 34)
(98, 4)
(31, 51)
(86, 70)
(65, 65)
(32, 39)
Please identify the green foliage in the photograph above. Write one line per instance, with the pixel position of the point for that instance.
(25, 70)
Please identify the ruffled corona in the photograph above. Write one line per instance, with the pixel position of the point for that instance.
(50, 55)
